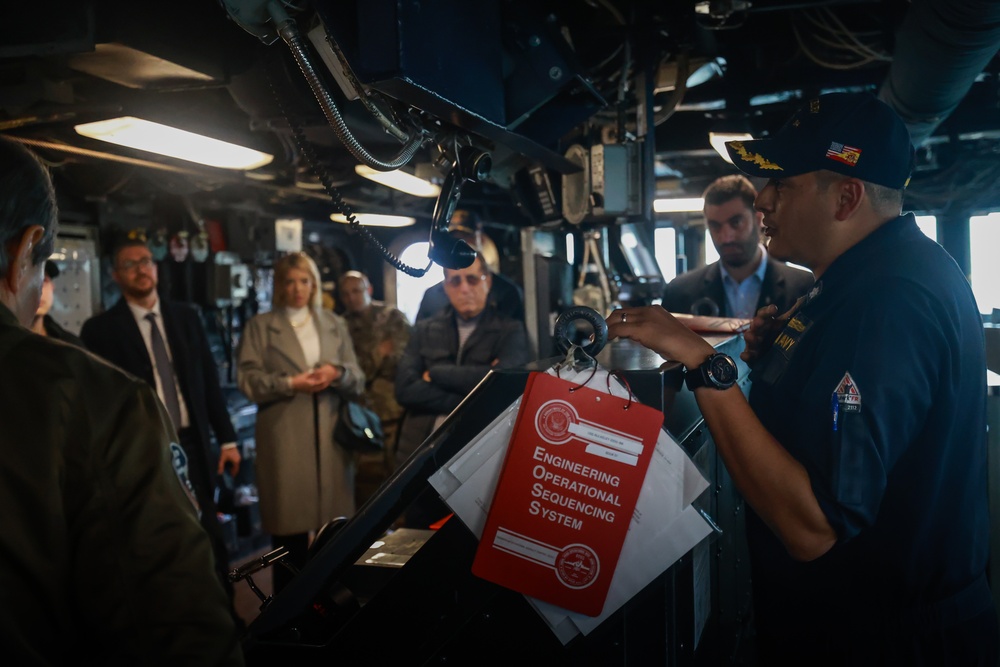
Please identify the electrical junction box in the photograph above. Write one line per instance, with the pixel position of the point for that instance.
(607, 186)
(229, 280)
(338, 68)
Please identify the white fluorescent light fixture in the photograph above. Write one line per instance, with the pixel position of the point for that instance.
(400, 180)
(719, 139)
(377, 220)
(681, 205)
(170, 141)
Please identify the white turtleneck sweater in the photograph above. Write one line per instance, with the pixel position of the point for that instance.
(304, 325)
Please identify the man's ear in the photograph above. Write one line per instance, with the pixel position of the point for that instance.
(20, 257)
(850, 194)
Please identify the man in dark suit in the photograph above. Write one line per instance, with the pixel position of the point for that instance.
(164, 344)
(745, 279)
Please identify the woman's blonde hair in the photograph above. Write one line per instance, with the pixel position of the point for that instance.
(302, 262)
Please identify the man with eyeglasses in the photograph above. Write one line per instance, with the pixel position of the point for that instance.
(447, 356)
(164, 344)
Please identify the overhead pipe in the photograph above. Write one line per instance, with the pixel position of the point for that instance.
(289, 32)
(942, 46)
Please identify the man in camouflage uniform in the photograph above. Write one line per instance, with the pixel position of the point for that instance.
(379, 333)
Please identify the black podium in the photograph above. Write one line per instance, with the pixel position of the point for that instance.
(426, 607)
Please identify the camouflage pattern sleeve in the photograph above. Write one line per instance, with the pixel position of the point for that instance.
(392, 331)
(394, 328)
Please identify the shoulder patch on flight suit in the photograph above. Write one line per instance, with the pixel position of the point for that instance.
(180, 461)
(848, 395)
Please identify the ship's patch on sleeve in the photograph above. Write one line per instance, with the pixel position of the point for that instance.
(848, 394)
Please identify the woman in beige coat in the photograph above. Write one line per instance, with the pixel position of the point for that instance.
(295, 363)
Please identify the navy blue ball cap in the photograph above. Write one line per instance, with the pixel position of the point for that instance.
(854, 134)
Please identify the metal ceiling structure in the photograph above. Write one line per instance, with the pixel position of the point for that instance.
(519, 80)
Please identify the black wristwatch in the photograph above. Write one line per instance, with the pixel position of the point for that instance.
(719, 371)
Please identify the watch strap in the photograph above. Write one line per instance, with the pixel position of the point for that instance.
(695, 377)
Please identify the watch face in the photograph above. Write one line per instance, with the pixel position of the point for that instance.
(722, 370)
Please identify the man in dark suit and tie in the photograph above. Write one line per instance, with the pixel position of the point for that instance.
(164, 344)
(746, 278)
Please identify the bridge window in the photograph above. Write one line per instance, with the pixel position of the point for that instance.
(711, 254)
(928, 225)
(665, 245)
(410, 290)
(984, 239)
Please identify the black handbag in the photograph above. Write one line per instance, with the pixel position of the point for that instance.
(358, 429)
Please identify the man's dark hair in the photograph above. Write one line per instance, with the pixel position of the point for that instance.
(730, 187)
(126, 242)
(26, 198)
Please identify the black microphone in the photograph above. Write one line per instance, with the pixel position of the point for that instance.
(471, 165)
(450, 252)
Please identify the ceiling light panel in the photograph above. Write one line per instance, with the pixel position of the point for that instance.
(173, 142)
(400, 180)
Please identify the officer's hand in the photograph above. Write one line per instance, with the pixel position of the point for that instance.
(764, 328)
(656, 329)
(232, 456)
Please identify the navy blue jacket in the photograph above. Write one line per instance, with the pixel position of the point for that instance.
(878, 388)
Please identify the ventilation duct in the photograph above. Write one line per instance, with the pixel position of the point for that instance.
(941, 48)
